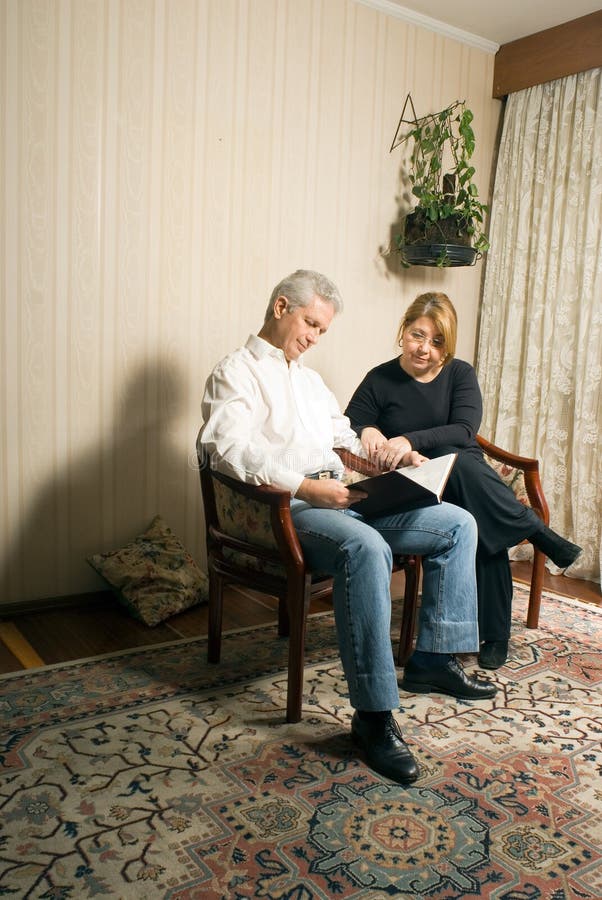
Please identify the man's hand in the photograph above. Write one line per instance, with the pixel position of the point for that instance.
(327, 493)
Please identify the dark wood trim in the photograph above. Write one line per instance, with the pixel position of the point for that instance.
(91, 598)
(554, 53)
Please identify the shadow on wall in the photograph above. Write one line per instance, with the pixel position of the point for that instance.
(106, 495)
(388, 254)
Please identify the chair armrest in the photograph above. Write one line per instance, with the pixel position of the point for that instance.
(356, 463)
(525, 463)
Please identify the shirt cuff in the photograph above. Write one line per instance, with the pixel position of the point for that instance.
(289, 481)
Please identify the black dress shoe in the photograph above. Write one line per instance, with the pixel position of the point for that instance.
(562, 553)
(448, 679)
(384, 747)
(493, 654)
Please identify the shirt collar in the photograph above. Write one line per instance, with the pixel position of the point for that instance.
(261, 348)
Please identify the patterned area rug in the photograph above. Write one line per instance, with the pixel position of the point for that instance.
(152, 774)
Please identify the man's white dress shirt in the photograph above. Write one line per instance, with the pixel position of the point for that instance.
(270, 422)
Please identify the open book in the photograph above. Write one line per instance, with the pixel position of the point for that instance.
(401, 489)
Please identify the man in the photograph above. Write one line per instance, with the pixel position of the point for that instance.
(270, 420)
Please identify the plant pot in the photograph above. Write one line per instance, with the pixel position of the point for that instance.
(442, 255)
(442, 243)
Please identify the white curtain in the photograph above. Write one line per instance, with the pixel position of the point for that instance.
(540, 342)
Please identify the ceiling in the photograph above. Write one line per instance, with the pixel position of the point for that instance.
(503, 21)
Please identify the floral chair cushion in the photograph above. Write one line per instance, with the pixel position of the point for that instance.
(246, 520)
(154, 576)
(514, 478)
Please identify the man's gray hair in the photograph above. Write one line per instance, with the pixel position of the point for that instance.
(301, 287)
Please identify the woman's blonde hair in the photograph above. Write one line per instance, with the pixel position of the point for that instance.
(439, 308)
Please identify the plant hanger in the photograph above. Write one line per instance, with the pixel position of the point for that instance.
(445, 228)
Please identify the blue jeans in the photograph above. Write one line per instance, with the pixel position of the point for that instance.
(358, 554)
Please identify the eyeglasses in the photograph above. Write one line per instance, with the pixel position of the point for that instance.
(418, 337)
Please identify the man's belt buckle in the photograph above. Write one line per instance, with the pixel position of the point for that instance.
(323, 475)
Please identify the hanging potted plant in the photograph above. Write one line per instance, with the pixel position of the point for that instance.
(446, 227)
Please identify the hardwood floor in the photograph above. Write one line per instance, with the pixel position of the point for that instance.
(99, 624)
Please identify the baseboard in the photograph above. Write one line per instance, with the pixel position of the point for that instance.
(90, 598)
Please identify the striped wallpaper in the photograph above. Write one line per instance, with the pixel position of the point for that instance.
(164, 163)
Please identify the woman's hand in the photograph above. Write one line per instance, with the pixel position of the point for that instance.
(372, 440)
(414, 458)
(397, 452)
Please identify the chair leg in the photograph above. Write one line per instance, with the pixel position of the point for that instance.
(298, 607)
(537, 573)
(216, 608)
(410, 611)
(284, 627)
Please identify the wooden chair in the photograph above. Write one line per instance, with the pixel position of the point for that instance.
(251, 540)
(521, 474)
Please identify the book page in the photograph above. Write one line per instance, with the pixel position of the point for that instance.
(432, 474)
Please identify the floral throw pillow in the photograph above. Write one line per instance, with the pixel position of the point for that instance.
(154, 576)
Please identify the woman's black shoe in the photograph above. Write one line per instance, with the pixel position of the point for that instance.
(493, 654)
(560, 551)
(385, 750)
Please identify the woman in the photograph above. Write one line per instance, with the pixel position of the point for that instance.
(427, 400)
